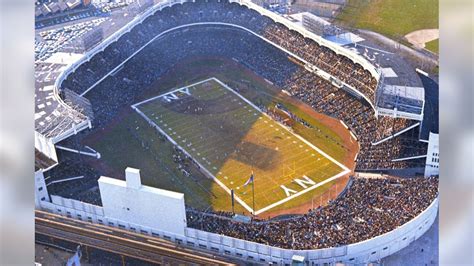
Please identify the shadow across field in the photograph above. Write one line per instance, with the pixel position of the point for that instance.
(129, 141)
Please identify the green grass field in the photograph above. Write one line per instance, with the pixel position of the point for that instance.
(433, 46)
(129, 140)
(393, 18)
(231, 139)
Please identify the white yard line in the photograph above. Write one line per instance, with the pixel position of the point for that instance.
(301, 192)
(222, 185)
(321, 73)
(200, 165)
(296, 135)
(169, 92)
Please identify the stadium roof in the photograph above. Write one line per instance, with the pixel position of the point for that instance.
(417, 93)
(401, 98)
(45, 152)
(299, 18)
(345, 38)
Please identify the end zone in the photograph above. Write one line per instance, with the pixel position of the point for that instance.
(306, 183)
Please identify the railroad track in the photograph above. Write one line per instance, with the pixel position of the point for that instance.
(122, 242)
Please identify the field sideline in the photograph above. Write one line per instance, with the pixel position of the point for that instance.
(229, 138)
(146, 150)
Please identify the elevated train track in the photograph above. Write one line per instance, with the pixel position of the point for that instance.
(122, 242)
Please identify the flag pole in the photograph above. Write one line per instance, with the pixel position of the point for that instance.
(253, 194)
(232, 198)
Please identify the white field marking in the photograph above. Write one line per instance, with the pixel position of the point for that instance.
(321, 73)
(240, 201)
(173, 91)
(352, 134)
(284, 127)
(343, 124)
(288, 190)
(301, 192)
(226, 189)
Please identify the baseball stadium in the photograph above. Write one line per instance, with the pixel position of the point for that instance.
(283, 143)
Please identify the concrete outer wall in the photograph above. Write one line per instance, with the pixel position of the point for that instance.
(45, 146)
(370, 250)
(432, 155)
(41, 190)
(95, 214)
(75, 207)
(145, 207)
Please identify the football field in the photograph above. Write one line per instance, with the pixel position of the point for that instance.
(229, 138)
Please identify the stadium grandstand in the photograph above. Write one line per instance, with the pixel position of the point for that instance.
(307, 86)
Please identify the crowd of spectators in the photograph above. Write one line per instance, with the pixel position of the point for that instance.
(213, 11)
(324, 58)
(387, 126)
(72, 165)
(368, 208)
(328, 99)
(156, 59)
(122, 86)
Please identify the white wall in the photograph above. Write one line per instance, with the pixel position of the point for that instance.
(367, 251)
(370, 250)
(46, 146)
(432, 156)
(41, 191)
(134, 203)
